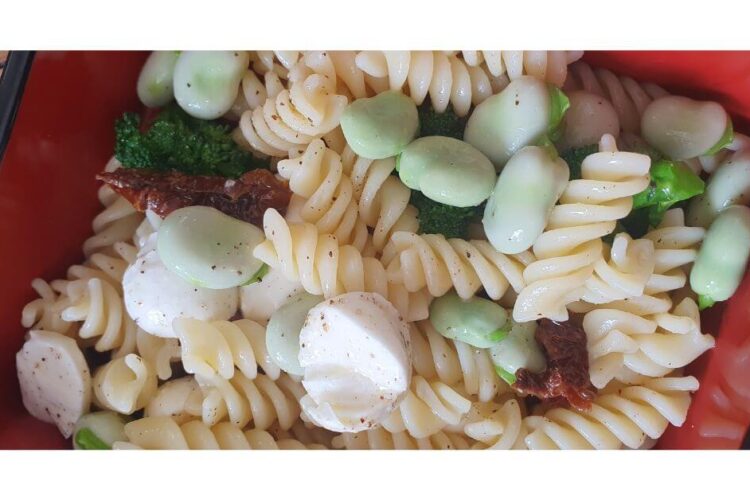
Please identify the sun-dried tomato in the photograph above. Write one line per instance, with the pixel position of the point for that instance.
(567, 373)
(246, 198)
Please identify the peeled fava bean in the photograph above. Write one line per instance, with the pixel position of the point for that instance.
(282, 332)
(589, 117)
(98, 431)
(516, 117)
(478, 322)
(681, 128)
(728, 185)
(155, 80)
(381, 126)
(447, 170)
(518, 350)
(206, 83)
(722, 258)
(208, 248)
(523, 198)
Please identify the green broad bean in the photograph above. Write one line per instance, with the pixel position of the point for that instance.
(447, 170)
(723, 256)
(381, 126)
(681, 128)
(98, 431)
(589, 117)
(208, 248)
(728, 185)
(523, 198)
(282, 332)
(206, 83)
(518, 350)
(155, 80)
(478, 322)
(518, 116)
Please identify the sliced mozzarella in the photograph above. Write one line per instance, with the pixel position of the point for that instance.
(355, 353)
(54, 378)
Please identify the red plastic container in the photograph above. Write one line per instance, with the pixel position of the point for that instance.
(63, 136)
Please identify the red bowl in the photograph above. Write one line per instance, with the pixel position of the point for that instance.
(63, 136)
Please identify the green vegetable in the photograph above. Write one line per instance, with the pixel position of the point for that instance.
(671, 182)
(381, 126)
(436, 218)
(447, 170)
(178, 141)
(87, 440)
(446, 124)
(574, 158)
(264, 269)
(282, 333)
(517, 350)
(206, 82)
(723, 256)
(559, 104)
(209, 248)
(478, 322)
(98, 430)
(725, 140)
(155, 80)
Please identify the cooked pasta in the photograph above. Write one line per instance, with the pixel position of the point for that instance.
(318, 177)
(675, 247)
(438, 264)
(116, 222)
(383, 199)
(325, 268)
(309, 109)
(620, 416)
(550, 66)
(427, 409)
(628, 96)
(261, 401)
(454, 363)
(45, 312)
(163, 433)
(571, 245)
(181, 399)
(381, 439)
(124, 385)
(495, 426)
(158, 352)
(211, 348)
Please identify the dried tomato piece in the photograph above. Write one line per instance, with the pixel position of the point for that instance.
(567, 374)
(246, 198)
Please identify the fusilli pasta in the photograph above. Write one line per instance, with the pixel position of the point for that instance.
(124, 384)
(325, 268)
(381, 439)
(571, 245)
(550, 66)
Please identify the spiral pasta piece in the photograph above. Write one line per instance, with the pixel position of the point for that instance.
(158, 352)
(324, 268)
(276, 61)
(676, 246)
(628, 97)
(623, 344)
(619, 416)
(438, 264)
(124, 385)
(427, 409)
(216, 347)
(495, 426)
(180, 398)
(99, 305)
(454, 362)
(622, 271)
(570, 247)
(116, 222)
(383, 199)
(45, 312)
(550, 66)
(381, 439)
(309, 109)
(261, 401)
(164, 433)
(447, 78)
(318, 177)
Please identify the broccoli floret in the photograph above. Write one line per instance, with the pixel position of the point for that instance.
(574, 158)
(446, 124)
(436, 218)
(178, 141)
